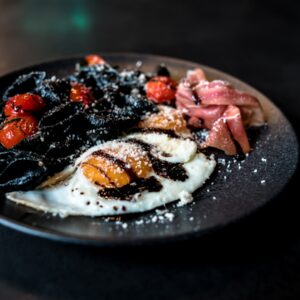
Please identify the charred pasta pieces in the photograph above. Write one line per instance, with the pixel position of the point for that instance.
(21, 170)
(54, 91)
(28, 83)
(96, 103)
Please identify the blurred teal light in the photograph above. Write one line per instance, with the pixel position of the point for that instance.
(56, 17)
(81, 20)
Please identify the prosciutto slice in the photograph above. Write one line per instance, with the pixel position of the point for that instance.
(184, 96)
(209, 114)
(194, 76)
(222, 93)
(220, 138)
(218, 106)
(233, 118)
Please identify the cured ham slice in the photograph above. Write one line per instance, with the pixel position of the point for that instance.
(216, 105)
(252, 116)
(184, 96)
(194, 76)
(233, 119)
(195, 122)
(219, 137)
(219, 92)
(209, 114)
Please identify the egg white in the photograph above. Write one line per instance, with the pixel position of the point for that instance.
(71, 193)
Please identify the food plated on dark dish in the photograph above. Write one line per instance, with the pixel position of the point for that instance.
(104, 140)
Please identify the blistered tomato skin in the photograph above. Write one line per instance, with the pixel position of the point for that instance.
(94, 59)
(23, 104)
(81, 93)
(14, 130)
(161, 89)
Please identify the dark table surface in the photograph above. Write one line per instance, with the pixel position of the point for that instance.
(258, 258)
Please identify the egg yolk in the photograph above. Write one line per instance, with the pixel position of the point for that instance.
(172, 120)
(116, 173)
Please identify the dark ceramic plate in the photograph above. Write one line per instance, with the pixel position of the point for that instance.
(234, 191)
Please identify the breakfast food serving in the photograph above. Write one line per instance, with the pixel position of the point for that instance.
(104, 141)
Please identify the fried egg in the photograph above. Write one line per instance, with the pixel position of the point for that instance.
(136, 173)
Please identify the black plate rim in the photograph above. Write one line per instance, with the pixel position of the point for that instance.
(106, 242)
(110, 242)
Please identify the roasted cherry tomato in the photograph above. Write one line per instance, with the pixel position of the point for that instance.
(161, 89)
(94, 59)
(23, 104)
(81, 93)
(16, 129)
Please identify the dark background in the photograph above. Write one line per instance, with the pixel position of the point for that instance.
(258, 258)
